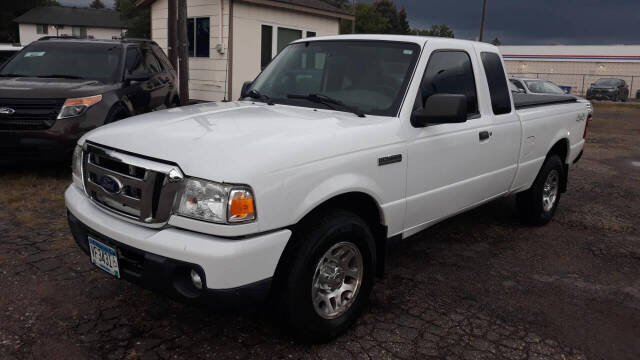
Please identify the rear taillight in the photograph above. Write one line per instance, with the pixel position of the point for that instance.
(586, 125)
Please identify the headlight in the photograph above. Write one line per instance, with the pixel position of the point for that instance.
(215, 202)
(76, 167)
(78, 106)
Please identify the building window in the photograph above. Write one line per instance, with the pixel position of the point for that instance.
(198, 33)
(281, 37)
(266, 47)
(79, 31)
(42, 29)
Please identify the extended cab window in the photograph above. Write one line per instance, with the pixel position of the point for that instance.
(500, 100)
(449, 72)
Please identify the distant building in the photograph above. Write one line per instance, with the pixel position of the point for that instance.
(260, 29)
(575, 66)
(69, 21)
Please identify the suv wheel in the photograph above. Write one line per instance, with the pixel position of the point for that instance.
(330, 277)
(538, 204)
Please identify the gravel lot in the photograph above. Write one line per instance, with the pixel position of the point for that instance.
(477, 286)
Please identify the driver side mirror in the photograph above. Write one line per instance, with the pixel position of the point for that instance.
(441, 109)
(245, 89)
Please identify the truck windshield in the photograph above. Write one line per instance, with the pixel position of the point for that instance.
(81, 60)
(366, 76)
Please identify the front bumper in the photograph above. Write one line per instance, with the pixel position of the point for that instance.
(161, 259)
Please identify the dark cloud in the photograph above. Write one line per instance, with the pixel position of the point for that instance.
(523, 22)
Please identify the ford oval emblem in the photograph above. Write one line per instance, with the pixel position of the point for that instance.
(7, 111)
(110, 184)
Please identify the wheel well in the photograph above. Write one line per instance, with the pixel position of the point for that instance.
(561, 148)
(118, 107)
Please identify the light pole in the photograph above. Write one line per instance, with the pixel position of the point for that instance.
(353, 23)
(484, 7)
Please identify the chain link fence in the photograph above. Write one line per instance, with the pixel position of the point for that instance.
(579, 83)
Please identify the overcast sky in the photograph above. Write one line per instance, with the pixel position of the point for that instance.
(522, 22)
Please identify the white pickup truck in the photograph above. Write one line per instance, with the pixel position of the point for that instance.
(290, 194)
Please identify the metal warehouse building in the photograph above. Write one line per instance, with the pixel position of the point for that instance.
(575, 66)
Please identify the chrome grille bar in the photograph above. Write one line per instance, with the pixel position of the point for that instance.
(136, 188)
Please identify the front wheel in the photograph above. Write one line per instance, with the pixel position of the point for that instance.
(538, 204)
(329, 280)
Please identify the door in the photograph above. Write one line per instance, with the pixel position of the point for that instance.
(447, 163)
(158, 83)
(135, 90)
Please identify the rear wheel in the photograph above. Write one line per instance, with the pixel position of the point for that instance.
(330, 276)
(538, 204)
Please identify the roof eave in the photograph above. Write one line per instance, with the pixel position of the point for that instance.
(281, 5)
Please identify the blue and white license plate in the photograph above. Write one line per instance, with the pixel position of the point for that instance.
(104, 257)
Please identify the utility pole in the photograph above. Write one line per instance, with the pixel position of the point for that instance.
(484, 7)
(172, 34)
(183, 52)
(353, 23)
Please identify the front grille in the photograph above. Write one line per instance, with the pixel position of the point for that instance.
(30, 114)
(131, 186)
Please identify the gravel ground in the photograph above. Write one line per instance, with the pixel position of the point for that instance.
(478, 286)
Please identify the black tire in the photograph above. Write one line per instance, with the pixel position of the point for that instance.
(531, 203)
(118, 112)
(312, 239)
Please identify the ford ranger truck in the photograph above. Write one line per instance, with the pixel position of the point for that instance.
(290, 194)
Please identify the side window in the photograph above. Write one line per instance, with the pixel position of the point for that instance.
(500, 101)
(133, 63)
(518, 84)
(151, 61)
(449, 72)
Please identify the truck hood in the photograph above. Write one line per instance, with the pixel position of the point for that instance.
(30, 87)
(240, 140)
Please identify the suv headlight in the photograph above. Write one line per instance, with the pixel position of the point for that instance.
(76, 167)
(215, 202)
(78, 106)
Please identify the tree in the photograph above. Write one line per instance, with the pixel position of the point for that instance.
(138, 19)
(440, 30)
(381, 17)
(496, 42)
(11, 10)
(97, 4)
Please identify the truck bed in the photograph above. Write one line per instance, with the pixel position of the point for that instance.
(522, 101)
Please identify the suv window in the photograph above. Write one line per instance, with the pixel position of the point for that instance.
(518, 84)
(449, 72)
(153, 65)
(133, 63)
(500, 101)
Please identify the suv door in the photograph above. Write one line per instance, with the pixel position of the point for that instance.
(448, 163)
(158, 83)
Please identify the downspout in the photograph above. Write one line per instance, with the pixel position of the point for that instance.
(230, 53)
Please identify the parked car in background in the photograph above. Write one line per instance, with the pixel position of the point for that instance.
(609, 89)
(541, 86)
(295, 190)
(56, 89)
(7, 51)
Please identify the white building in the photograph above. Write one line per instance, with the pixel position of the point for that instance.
(220, 64)
(575, 66)
(69, 21)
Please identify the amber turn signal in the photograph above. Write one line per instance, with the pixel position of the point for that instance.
(241, 207)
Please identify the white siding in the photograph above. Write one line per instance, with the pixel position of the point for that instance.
(208, 76)
(28, 32)
(247, 22)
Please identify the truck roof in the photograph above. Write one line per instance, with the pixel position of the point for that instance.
(420, 40)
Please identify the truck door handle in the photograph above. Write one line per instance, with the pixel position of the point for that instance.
(484, 135)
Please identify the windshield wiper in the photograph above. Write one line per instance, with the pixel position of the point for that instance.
(60, 76)
(326, 100)
(256, 95)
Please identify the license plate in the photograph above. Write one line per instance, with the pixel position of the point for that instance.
(104, 257)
